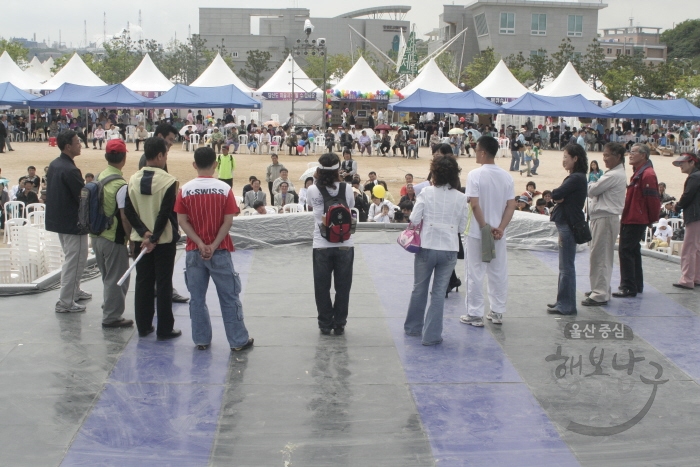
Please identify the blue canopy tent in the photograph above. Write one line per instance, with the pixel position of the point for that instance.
(672, 109)
(181, 96)
(77, 96)
(14, 97)
(456, 102)
(567, 106)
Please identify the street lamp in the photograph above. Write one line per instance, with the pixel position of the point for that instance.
(314, 48)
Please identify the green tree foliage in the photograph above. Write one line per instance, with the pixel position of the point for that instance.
(120, 59)
(688, 86)
(540, 66)
(256, 64)
(517, 64)
(565, 53)
(683, 42)
(480, 67)
(626, 77)
(14, 49)
(336, 67)
(593, 66)
(446, 62)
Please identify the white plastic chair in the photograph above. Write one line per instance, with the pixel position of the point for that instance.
(320, 143)
(36, 218)
(194, 141)
(271, 209)
(242, 139)
(14, 209)
(422, 138)
(503, 147)
(675, 223)
(290, 208)
(32, 207)
(131, 133)
(9, 224)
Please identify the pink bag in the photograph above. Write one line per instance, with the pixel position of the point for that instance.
(409, 239)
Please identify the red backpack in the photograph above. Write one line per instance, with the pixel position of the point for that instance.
(338, 223)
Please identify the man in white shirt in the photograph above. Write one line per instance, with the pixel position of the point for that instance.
(380, 117)
(490, 192)
(606, 202)
(167, 113)
(331, 261)
(580, 140)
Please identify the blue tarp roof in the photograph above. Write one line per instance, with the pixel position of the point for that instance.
(456, 102)
(672, 109)
(181, 96)
(77, 96)
(568, 106)
(13, 96)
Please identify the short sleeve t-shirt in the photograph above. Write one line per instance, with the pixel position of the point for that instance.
(315, 200)
(206, 201)
(494, 187)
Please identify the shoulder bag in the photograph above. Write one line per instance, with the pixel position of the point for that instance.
(409, 239)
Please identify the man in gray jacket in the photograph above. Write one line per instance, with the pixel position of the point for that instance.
(606, 202)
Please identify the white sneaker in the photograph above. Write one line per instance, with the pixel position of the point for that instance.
(83, 295)
(75, 308)
(496, 318)
(472, 320)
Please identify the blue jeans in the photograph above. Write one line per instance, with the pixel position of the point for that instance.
(514, 160)
(418, 321)
(228, 288)
(335, 263)
(566, 293)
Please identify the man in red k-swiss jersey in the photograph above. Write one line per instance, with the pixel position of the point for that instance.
(205, 209)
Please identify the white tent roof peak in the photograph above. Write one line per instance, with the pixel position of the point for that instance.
(361, 78)
(218, 73)
(10, 72)
(500, 83)
(36, 70)
(431, 78)
(281, 81)
(48, 64)
(569, 83)
(74, 72)
(147, 78)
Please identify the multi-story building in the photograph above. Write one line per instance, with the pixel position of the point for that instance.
(513, 26)
(279, 30)
(630, 39)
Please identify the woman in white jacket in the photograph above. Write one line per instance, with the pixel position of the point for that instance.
(442, 209)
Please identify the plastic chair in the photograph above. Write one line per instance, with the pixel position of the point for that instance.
(14, 209)
(52, 141)
(271, 209)
(36, 218)
(32, 207)
(675, 223)
(9, 224)
(131, 133)
(194, 141)
(503, 147)
(242, 139)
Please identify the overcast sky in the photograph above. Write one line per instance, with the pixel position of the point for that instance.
(162, 20)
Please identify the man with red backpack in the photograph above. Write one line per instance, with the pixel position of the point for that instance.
(333, 252)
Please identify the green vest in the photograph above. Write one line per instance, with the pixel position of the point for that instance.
(147, 205)
(226, 166)
(109, 203)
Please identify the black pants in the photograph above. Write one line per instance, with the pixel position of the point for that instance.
(228, 181)
(336, 262)
(394, 147)
(385, 147)
(139, 141)
(2, 143)
(155, 270)
(272, 195)
(630, 252)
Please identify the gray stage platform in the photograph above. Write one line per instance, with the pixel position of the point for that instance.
(72, 393)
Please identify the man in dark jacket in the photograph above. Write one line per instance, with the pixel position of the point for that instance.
(690, 205)
(642, 209)
(64, 182)
(3, 133)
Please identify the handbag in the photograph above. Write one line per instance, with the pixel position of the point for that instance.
(409, 239)
(582, 232)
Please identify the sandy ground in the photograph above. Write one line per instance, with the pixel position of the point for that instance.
(389, 169)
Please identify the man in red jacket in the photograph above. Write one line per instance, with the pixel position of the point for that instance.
(642, 209)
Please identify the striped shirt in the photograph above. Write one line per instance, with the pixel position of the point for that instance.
(206, 201)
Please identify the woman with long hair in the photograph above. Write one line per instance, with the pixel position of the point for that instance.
(442, 209)
(594, 172)
(568, 211)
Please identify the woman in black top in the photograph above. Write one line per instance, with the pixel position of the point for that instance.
(569, 198)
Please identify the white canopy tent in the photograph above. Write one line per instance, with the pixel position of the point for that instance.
(147, 79)
(11, 73)
(74, 72)
(36, 71)
(431, 78)
(276, 95)
(569, 83)
(48, 64)
(500, 86)
(218, 73)
(361, 78)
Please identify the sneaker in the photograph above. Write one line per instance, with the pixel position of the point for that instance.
(247, 345)
(177, 298)
(590, 302)
(122, 323)
(83, 295)
(339, 331)
(472, 320)
(496, 318)
(75, 308)
(326, 331)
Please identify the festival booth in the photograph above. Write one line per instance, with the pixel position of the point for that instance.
(671, 109)
(500, 86)
(569, 83)
(431, 78)
(36, 71)
(438, 102)
(181, 97)
(361, 91)
(74, 72)
(11, 73)
(147, 79)
(564, 106)
(277, 93)
(12, 96)
(218, 73)
(75, 96)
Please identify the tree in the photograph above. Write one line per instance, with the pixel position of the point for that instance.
(516, 64)
(683, 42)
(688, 87)
(480, 67)
(120, 59)
(540, 66)
(256, 64)
(594, 65)
(336, 67)
(446, 62)
(15, 50)
(625, 77)
(565, 54)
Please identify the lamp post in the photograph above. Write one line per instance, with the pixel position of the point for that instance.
(314, 48)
